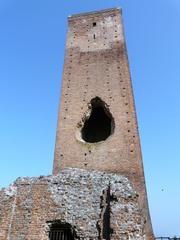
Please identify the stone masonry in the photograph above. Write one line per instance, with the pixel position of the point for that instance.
(85, 199)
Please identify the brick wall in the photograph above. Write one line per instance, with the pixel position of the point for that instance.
(97, 205)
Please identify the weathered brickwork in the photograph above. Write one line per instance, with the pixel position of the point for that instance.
(81, 198)
(96, 65)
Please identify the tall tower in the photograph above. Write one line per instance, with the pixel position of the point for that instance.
(97, 126)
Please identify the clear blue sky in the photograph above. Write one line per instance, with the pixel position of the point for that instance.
(32, 44)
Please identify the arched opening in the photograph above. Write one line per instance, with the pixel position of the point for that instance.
(100, 124)
(61, 231)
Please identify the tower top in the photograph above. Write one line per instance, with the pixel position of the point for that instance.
(96, 12)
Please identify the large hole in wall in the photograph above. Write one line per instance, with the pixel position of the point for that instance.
(100, 124)
(60, 231)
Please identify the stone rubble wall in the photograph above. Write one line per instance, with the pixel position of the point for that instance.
(98, 205)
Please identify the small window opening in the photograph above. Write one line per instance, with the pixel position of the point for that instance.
(94, 24)
(100, 125)
(61, 231)
(94, 36)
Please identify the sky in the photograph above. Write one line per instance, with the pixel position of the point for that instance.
(32, 45)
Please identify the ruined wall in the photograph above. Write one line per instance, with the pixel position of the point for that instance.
(96, 204)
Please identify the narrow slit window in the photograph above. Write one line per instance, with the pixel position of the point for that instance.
(94, 36)
(94, 24)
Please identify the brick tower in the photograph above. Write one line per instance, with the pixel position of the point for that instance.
(97, 191)
(97, 126)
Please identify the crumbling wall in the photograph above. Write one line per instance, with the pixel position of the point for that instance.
(97, 205)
